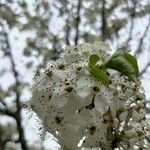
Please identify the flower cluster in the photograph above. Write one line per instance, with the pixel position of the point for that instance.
(83, 112)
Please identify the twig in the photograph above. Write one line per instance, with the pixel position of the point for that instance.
(139, 48)
(67, 31)
(104, 21)
(67, 27)
(132, 16)
(3, 103)
(145, 69)
(7, 112)
(77, 22)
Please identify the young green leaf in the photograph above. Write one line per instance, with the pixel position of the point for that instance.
(93, 59)
(99, 75)
(125, 63)
(133, 62)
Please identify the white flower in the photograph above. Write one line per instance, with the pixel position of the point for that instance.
(76, 108)
(61, 95)
(93, 128)
(63, 118)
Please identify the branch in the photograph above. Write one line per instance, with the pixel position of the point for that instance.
(67, 27)
(3, 103)
(145, 69)
(139, 48)
(132, 13)
(18, 104)
(104, 21)
(7, 112)
(132, 16)
(67, 31)
(77, 22)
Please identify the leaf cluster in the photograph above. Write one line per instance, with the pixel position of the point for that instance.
(122, 61)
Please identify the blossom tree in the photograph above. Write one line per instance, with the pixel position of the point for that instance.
(91, 99)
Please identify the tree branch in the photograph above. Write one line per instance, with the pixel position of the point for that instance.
(3, 103)
(139, 48)
(77, 22)
(17, 83)
(132, 16)
(145, 69)
(104, 21)
(67, 31)
(7, 112)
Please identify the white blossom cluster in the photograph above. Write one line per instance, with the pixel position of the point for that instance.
(81, 112)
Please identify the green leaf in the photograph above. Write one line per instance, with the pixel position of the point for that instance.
(125, 63)
(99, 75)
(93, 59)
(133, 62)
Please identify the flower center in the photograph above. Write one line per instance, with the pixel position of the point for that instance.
(96, 89)
(78, 68)
(48, 72)
(69, 89)
(61, 66)
(92, 130)
(59, 119)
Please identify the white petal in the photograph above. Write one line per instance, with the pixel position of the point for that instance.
(59, 99)
(85, 101)
(84, 86)
(101, 103)
(97, 117)
(69, 139)
(71, 106)
(84, 115)
(116, 104)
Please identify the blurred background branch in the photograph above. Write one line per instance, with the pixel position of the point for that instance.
(17, 114)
